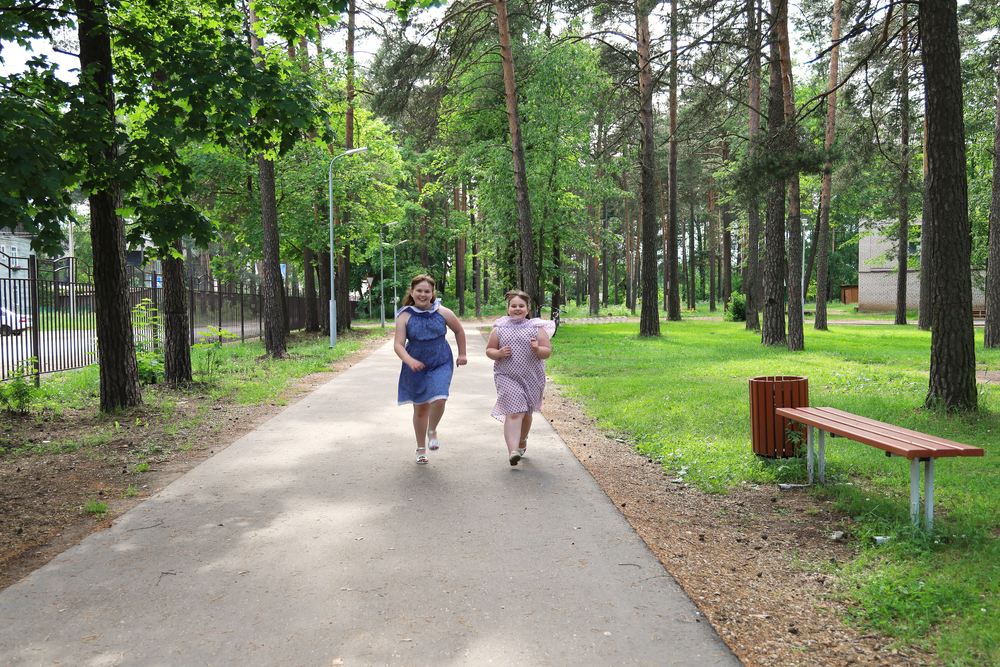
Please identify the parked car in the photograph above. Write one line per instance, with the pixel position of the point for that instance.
(12, 323)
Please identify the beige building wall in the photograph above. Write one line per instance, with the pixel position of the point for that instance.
(877, 280)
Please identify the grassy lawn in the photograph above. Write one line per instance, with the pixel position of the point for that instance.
(683, 399)
(239, 372)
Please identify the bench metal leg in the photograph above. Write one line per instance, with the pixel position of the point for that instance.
(915, 490)
(929, 493)
(822, 456)
(809, 453)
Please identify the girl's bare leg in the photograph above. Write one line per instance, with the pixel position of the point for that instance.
(420, 417)
(434, 415)
(512, 428)
(525, 426)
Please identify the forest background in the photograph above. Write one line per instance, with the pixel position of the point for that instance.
(641, 155)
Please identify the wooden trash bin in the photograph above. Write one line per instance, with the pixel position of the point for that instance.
(768, 431)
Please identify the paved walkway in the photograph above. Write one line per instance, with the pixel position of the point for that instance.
(315, 541)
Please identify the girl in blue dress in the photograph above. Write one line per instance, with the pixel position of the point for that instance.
(424, 381)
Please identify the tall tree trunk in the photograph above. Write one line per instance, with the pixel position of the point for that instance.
(649, 317)
(529, 275)
(119, 371)
(674, 303)
(343, 268)
(822, 242)
(926, 245)
(693, 289)
(711, 248)
(557, 296)
(904, 170)
(477, 273)
(751, 269)
(953, 352)
(663, 232)
(271, 287)
(684, 266)
(796, 337)
(604, 253)
(991, 333)
(176, 344)
(628, 257)
(460, 252)
(424, 259)
(274, 322)
(773, 328)
(727, 242)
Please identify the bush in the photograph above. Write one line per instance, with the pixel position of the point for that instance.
(737, 308)
(17, 392)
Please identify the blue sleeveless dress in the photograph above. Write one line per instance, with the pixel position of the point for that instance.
(425, 341)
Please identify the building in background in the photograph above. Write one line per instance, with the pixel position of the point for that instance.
(877, 277)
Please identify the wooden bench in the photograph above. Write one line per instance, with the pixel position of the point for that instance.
(895, 441)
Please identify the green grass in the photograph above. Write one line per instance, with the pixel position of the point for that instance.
(241, 371)
(834, 311)
(683, 399)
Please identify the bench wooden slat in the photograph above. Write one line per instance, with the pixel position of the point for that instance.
(894, 439)
(903, 434)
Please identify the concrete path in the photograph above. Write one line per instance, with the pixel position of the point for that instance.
(316, 540)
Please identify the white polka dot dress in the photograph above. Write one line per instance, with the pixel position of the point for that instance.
(519, 378)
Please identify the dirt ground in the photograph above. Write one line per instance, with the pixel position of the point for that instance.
(759, 563)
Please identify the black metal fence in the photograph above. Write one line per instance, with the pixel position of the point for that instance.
(47, 320)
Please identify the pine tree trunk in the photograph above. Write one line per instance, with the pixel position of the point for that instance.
(674, 302)
(176, 344)
(926, 245)
(822, 242)
(119, 371)
(991, 333)
(649, 316)
(271, 287)
(751, 270)
(773, 327)
(904, 172)
(693, 263)
(952, 381)
(604, 254)
(523, 205)
(727, 243)
(796, 337)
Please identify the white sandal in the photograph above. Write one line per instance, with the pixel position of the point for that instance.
(432, 443)
(421, 458)
(520, 450)
(514, 456)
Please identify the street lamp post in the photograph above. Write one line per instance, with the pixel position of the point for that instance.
(381, 269)
(395, 299)
(333, 296)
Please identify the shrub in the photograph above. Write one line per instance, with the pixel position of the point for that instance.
(16, 393)
(737, 308)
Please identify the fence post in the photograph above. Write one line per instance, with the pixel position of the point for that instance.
(191, 306)
(220, 311)
(35, 319)
(243, 336)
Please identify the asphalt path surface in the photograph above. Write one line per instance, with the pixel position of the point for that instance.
(316, 540)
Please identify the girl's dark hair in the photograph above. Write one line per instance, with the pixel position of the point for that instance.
(422, 278)
(517, 293)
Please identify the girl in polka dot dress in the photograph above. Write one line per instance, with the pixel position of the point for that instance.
(518, 347)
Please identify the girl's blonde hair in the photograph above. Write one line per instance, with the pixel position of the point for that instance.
(517, 293)
(422, 278)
